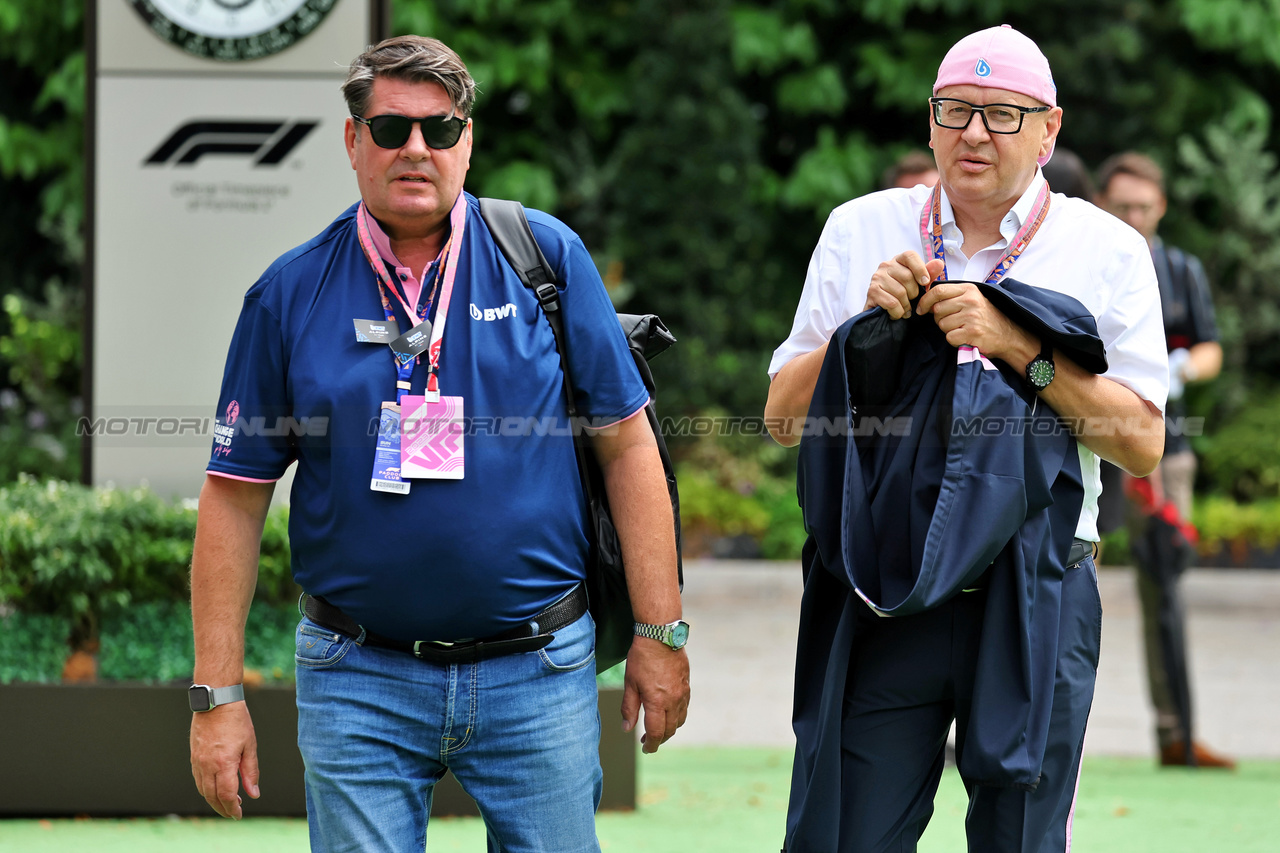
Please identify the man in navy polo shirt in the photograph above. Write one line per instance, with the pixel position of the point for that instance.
(437, 524)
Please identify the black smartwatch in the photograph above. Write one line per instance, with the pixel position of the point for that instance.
(1040, 369)
(203, 698)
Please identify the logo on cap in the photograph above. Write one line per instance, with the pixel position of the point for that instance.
(982, 69)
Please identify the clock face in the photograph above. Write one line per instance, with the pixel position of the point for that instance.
(233, 30)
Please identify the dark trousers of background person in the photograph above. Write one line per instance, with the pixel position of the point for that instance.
(1178, 474)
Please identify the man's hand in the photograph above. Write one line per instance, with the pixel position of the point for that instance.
(969, 319)
(895, 283)
(657, 677)
(224, 750)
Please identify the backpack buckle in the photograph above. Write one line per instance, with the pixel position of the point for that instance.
(547, 296)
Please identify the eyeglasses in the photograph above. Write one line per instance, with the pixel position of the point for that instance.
(998, 118)
(393, 131)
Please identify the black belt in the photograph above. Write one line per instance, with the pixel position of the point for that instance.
(1081, 550)
(529, 637)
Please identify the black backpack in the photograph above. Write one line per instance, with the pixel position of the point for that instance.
(647, 336)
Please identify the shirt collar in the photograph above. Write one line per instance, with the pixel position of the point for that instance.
(1012, 221)
(381, 241)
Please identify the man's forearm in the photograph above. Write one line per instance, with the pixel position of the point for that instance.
(224, 572)
(635, 484)
(1205, 362)
(1107, 417)
(790, 393)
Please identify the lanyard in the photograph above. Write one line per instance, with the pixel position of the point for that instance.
(443, 268)
(932, 237)
(449, 271)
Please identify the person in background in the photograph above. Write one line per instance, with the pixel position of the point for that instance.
(1132, 187)
(1067, 174)
(909, 170)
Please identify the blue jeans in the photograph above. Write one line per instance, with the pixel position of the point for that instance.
(378, 728)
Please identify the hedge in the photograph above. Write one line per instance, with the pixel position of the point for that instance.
(80, 564)
(88, 554)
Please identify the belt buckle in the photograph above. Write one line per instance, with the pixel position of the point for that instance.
(436, 645)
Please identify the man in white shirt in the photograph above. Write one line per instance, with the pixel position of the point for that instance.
(994, 120)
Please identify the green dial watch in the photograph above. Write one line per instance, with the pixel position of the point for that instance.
(1040, 370)
(674, 634)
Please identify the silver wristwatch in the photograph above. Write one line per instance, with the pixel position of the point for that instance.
(203, 698)
(674, 634)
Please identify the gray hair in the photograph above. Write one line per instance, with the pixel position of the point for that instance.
(415, 59)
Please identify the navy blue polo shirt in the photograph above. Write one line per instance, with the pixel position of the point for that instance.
(453, 559)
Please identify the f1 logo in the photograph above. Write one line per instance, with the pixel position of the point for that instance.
(267, 142)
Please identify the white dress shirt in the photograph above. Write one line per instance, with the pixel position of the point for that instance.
(1079, 250)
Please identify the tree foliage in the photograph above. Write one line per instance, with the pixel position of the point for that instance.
(42, 99)
(698, 145)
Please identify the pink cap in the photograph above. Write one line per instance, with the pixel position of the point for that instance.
(999, 58)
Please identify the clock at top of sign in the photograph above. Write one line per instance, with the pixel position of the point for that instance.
(233, 30)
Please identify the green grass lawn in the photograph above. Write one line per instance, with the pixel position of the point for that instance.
(733, 800)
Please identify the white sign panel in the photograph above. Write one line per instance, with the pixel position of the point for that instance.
(201, 180)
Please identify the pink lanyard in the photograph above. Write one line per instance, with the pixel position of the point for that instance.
(448, 260)
(458, 220)
(931, 238)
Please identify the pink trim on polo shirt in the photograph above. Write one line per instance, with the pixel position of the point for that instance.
(238, 477)
(411, 284)
(622, 420)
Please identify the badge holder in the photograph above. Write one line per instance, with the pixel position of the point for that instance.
(386, 458)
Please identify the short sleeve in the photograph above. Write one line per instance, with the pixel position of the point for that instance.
(822, 305)
(1132, 325)
(252, 438)
(607, 385)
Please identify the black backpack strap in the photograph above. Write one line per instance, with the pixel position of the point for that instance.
(511, 232)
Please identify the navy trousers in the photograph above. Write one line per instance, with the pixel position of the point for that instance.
(908, 678)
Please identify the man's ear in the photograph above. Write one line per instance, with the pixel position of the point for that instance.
(349, 131)
(1051, 129)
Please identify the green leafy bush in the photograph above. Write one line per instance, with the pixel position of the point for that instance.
(153, 642)
(1223, 523)
(33, 647)
(40, 357)
(86, 554)
(1242, 457)
(1115, 548)
(740, 485)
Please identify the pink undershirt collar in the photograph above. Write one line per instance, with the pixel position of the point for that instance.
(412, 284)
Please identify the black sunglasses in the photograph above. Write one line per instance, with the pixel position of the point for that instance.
(393, 131)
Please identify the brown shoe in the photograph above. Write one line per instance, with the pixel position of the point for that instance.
(1175, 755)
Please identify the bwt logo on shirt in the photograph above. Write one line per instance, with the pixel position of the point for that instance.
(491, 314)
(267, 142)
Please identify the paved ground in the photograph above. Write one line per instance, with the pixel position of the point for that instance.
(744, 617)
